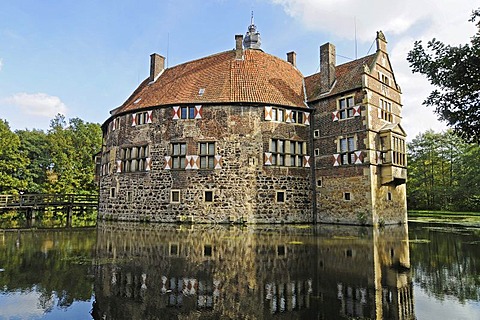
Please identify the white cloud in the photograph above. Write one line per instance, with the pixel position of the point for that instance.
(37, 104)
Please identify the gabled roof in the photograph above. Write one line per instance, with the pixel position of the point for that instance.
(393, 127)
(348, 77)
(257, 78)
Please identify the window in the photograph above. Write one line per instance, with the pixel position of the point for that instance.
(386, 110)
(389, 196)
(174, 249)
(281, 250)
(347, 196)
(135, 158)
(319, 182)
(277, 147)
(187, 112)
(106, 165)
(287, 152)
(280, 196)
(208, 196)
(207, 155)
(114, 125)
(345, 106)
(316, 133)
(297, 117)
(178, 152)
(141, 118)
(398, 154)
(384, 78)
(207, 250)
(347, 146)
(129, 196)
(174, 196)
(297, 153)
(317, 152)
(113, 192)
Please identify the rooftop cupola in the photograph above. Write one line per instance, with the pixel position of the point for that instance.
(252, 38)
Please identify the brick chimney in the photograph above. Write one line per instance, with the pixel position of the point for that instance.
(157, 65)
(327, 66)
(292, 58)
(238, 46)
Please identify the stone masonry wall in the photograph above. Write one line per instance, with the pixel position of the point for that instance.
(243, 189)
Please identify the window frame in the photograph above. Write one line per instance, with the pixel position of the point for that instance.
(346, 111)
(134, 158)
(207, 158)
(178, 159)
(172, 197)
(347, 150)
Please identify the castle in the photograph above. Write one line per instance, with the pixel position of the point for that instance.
(242, 136)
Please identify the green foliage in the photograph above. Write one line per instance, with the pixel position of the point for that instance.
(72, 149)
(455, 71)
(12, 162)
(57, 161)
(443, 173)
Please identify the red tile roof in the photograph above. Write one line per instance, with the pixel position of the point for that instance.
(348, 77)
(257, 78)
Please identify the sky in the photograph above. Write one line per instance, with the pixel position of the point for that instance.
(84, 58)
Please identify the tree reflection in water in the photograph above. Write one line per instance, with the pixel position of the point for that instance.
(253, 272)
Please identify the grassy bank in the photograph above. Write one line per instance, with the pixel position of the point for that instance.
(462, 218)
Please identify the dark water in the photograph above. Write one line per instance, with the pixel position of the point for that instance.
(152, 271)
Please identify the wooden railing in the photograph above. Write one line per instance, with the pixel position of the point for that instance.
(42, 200)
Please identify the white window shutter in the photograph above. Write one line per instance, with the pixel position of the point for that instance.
(268, 113)
(176, 112)
(149, 116)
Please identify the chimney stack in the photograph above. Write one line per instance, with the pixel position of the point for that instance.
(157, 65)
(238, 46)
(292, 58)
(327, 66)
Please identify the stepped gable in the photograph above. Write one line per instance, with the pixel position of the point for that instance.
(348, 77)
(256, 78)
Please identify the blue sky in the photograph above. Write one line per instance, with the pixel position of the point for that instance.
(84, 58)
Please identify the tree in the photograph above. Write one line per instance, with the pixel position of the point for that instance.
(443, 173)
(455, 71)
(34, 145)
(12, 162)
(72, 148)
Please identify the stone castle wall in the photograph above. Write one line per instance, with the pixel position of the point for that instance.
(243, 188)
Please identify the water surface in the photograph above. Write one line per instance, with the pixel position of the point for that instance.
(155, 271)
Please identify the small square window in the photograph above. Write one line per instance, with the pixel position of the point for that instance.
(316, 133)
(113, 192)
(174, 249)
(207, 250)
(349, 253)
(347, 196)
(317, 152)
(280, 197)
(175, 196)
(281, 250)
(209, 196)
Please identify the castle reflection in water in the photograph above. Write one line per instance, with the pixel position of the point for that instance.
(157, 271)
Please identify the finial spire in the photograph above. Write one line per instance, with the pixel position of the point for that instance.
(252, 38)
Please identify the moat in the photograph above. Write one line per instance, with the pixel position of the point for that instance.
(173, 271)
